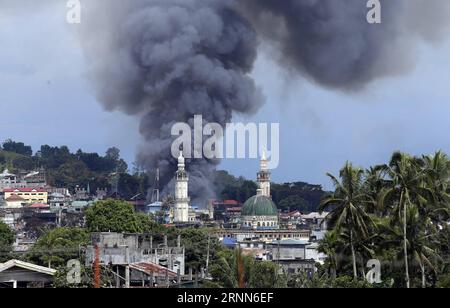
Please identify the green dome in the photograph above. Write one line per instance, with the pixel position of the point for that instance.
(259, 206)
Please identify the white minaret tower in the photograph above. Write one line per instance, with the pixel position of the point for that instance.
(181, 211)
(264, 177)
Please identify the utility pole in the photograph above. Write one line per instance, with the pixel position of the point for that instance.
(207, 254)
(127, 267)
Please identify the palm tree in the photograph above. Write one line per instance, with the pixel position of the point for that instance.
(329, 246)
(375, 182)
(232, 269)
(348, 203)
(437, 172)
(419, 243)
(405, 189)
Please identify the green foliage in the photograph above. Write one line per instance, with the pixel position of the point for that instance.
(347, 282)
(302, 196)
(66, 169)
(232, 269)
(266, 274)
(87, 278)
(444, 282)
(196, 246)
(397, 213)
(6, 240)
(113, 216)
(17, 147)
(58, 246)
(293, 203)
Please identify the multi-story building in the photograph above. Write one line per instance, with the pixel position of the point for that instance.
(30, 195)
(8, 180)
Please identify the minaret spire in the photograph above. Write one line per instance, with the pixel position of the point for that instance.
(264, 176)
(181, 211)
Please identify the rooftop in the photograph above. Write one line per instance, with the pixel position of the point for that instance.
(14, 198)
(20, 190)
(27, 266)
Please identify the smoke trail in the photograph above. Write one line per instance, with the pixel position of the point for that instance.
(167, 61)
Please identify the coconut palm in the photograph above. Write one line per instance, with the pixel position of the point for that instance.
(329, 246)
(405, 190)
(347, 205)
(437, 179)
(375, 182)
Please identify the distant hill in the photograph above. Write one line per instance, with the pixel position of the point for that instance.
(67, 169)
(287, 196)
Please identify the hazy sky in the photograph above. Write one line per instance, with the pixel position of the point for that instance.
(45, 98)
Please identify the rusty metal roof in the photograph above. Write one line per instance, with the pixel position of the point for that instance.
(151, 268)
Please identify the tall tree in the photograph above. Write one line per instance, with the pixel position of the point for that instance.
(113, 216)
(58, 246)
(6, 240)
(405, 189)
(347, 205)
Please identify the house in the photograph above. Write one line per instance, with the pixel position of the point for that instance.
(14, 202)
(291, 255)
(8, 180)
(316, 220)
(58, 201)
(31, 195)
(19, 274)
(220, 207)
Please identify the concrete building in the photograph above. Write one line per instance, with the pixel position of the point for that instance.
(264, 235)
(124, 249)
(34, 179)
(316, 220)
(182, 200)
(30, 195)
(8, 180)
(15, 202)
(58, 201)
(291, 255)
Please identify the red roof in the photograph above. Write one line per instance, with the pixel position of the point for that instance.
(19, 190)
(39, 206)
(151, 268)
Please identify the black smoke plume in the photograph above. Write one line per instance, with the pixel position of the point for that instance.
(331, 42)
(168, 60)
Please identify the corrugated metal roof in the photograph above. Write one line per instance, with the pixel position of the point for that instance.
(150, 268)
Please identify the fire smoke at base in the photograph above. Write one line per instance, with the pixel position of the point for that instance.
(168, 60)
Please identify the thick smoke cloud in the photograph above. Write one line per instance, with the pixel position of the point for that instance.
(332, 43)
(167, 60)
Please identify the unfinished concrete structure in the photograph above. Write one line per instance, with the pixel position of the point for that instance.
(125, 252)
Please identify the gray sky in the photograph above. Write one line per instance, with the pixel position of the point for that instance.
(45, 98)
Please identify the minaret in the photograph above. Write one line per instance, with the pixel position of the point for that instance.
(181, 211)
(264, 177)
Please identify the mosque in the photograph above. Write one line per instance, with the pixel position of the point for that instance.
(258, 213)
